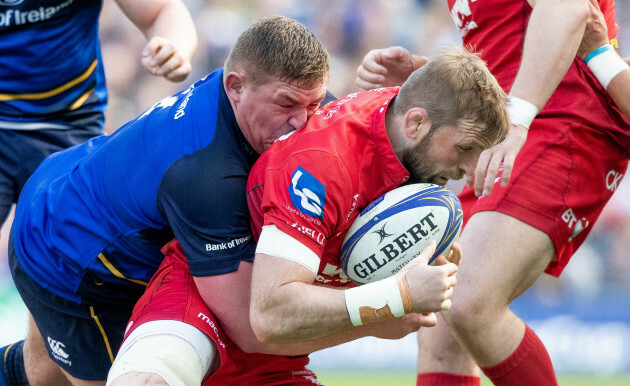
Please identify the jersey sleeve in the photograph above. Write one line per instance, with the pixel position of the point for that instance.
(207, 211)
(307, 197)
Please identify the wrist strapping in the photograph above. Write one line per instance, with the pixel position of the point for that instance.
(378, 301)
(597, 51)
(521, 112)
(605, 64)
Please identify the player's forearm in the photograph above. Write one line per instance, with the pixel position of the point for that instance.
(169, 19)
(302, 348)
(247, 341)
(553, 36)
(228, 298)
(419, 61)
(619, 91)
(184, 36)
(297, 312)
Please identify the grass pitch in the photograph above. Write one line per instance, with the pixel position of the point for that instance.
(408, 378)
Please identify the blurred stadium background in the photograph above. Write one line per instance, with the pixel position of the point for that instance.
(583, 317)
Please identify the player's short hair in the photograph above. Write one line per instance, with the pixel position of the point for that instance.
(456, 88)
(282, 48)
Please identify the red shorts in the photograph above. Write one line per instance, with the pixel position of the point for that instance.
(172, 295)
(562, 179)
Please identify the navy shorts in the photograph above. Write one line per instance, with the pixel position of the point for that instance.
(83, 339)
(23, 150)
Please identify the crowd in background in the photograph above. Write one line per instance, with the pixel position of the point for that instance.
(349, 29)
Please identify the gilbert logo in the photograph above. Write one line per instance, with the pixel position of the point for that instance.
(382, 233)
(58, 351)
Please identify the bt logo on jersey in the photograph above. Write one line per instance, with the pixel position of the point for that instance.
(307, 193)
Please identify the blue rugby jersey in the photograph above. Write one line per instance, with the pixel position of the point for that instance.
(51, 72)
(95, 216)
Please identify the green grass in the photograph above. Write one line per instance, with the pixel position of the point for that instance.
(406, 377)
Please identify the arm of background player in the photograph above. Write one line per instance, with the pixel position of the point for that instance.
(170, 30)
(386, 67)
(231, 308)
(595, 36)
(552, 38)
(619, 90)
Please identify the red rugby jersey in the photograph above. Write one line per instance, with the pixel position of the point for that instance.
(317, 181)
(496, 29)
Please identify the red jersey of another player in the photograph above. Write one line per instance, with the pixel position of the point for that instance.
(317, 180)
(496, 29)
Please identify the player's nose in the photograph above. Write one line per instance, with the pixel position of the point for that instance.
(298, 118)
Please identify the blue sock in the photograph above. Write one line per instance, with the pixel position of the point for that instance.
(12, 365)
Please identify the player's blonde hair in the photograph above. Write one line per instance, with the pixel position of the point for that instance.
(457, 89)
(282, 48)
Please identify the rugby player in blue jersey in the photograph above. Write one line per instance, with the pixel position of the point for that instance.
(52, 83)
(92, 219)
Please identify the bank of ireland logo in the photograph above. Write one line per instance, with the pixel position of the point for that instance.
(307, 193)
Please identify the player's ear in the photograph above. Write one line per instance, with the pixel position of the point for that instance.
(416, 123)
(234, 82)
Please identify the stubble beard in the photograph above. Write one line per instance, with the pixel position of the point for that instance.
(415, 159)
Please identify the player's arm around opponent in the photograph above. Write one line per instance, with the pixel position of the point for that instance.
(612, 72)
(169, 50)
(232, 308)
(287, 307)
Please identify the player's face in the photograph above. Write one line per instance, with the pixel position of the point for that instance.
(273, 109)
(447, 153)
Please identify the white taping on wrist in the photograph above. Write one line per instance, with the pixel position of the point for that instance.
(375, 301)
(606, 66)
(521, 111)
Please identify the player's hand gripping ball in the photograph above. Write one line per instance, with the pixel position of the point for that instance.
(396, 227)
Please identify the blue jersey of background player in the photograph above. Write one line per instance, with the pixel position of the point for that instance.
(71, 84)
(92, 218)
(52, 83)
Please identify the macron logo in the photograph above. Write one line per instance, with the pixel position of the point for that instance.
(214, 328)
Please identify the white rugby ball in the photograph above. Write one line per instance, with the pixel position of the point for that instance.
(396, 227)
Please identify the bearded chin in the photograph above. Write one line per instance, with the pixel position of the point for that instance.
(414, 159)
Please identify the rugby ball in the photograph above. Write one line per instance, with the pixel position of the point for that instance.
(396, 227)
